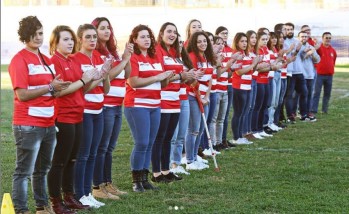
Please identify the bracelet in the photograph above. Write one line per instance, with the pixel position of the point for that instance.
(180, 76)
(83, 82)
(51, 89)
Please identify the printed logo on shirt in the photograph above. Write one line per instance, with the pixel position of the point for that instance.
(170, 61)
(39, 69)
(85, 67)
(149, 67)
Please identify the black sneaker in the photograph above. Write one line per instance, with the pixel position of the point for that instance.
(217, 147)
(224, 144)
(173, 177)
(160, 179)
(311, 117)
(268, 130)
(282, 125)
(231, 145)
(304, 118)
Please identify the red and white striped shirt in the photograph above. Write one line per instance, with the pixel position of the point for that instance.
(205, 79)
(27, 71)
(117, 91)
(223, 80)
(170, 102)
(263, 76)
(183, 92)
(244, 81)
(95, 97)
(284, 68)
(148, 96)
(69, 108)
(273, 56)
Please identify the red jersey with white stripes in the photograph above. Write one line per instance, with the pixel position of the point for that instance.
(95, 97)
(273, 56)
(224, 81)
(244, 81)
(148, 96)
(117, 91)
(205, 79)
(69, 108)
(183, 93)
(263, 76)
(255, 73)
(27, 71)
(170, 102)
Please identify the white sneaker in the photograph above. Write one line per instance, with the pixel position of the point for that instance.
(193, 166)
(242, 141)
(184, 160)
(263, 134)
(90, 196)
(247, 142)
(179, 170)
(198, 158)
(274, 127)
(207, 152)
(258, 136)
(85, 200)
(201, 164)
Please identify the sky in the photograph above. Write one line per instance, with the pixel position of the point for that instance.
(125, 19)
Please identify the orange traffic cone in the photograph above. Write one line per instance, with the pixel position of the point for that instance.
(7, 205)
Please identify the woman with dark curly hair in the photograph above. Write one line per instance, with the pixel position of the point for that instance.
(142, 102)
(35, 84)
(201, 54)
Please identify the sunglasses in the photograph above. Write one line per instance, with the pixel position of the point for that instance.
(224, 33)
(327, 37)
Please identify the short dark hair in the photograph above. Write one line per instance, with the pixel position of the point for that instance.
(28, 27)
(302, 31)
(325, 34)
(290, 24)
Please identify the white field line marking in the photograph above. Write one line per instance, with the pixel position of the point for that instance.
(295, 150)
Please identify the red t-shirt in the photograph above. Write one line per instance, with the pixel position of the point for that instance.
(262, 77)
(95, 97)
(170, 102)
(148, 96)
(328, 60)
(243, 82)
(69, 108)
(224, 81)
(117, 91)
(205, 79)
(27, 71)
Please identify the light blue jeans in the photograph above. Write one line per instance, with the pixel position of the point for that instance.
(195, 129)
(34, 152)
(276, 88)
(178, 138)
(144, 124)
(104, 158)
(216, 125)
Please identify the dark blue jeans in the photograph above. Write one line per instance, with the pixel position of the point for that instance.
(211, 110)
(326, 81)
(161, 151)
(230, 102)
(85, 163)
(61, 175)
(112, 125)
(240, 106)
(34, 151)
(298, 84)
(260, 107)
(144, 124)
(246, 121)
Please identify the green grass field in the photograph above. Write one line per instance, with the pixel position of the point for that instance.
(302, 169)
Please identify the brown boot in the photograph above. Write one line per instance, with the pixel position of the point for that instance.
(59, 207)
(114, 189)
(72, 203)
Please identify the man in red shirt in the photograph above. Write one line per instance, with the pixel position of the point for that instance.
(325, 71)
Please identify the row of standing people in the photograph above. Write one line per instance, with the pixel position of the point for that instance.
(81, 91)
